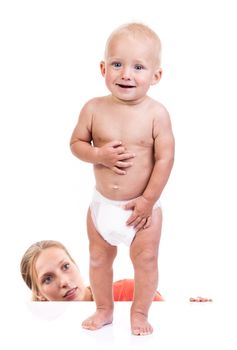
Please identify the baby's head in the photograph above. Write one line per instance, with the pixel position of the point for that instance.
(49, 252)
(140, 33)
(131, 61)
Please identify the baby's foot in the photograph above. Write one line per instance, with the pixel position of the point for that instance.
(99, 319)
(140, 325)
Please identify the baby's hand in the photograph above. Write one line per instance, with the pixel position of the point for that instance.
(142, 211)
(114, 156)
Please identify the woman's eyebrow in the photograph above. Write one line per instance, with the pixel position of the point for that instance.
(50, 272)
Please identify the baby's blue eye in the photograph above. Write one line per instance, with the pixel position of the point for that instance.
(116, 64)
(66, 266)
(138, 67)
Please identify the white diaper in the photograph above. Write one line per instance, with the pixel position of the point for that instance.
(109, 218)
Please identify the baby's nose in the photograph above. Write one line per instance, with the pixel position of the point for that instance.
(126, 74)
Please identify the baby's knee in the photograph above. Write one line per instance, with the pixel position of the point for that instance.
(145, 259)
(100, 257)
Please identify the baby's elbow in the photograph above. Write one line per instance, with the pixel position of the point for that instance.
(166, 163)
(74, 146)
(171, 161)
(72, 141)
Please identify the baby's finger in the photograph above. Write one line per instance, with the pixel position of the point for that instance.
(141, 226)
(131, 219)
(130, 205)
(123, 164)
(148, 222)
(114, 144)
(136, 222)
(124, 156)
(120, 150)
(118, 171)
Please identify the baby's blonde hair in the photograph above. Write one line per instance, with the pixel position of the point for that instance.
(28, 261)
(137, 29)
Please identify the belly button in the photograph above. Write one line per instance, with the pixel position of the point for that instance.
(115, 187)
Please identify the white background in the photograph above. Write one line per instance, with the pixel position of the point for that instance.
(50, 54)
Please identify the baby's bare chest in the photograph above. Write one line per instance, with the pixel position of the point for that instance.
(130, 128)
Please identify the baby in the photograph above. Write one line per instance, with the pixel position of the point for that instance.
(128, 137)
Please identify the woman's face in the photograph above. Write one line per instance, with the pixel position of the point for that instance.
(58, 278)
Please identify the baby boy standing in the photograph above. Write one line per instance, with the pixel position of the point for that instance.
(128, 137)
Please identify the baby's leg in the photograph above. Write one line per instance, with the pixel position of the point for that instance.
(144, 255)
(102, 255)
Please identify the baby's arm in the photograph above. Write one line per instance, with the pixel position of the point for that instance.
(164, 158)
(112, 155)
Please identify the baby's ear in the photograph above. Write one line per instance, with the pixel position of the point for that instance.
(102, 68)
(156, 76)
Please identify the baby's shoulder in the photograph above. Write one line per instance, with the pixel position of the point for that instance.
(91, 106)
(96, 102)
(158, 109)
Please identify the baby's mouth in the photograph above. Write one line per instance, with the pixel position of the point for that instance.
(126, 86)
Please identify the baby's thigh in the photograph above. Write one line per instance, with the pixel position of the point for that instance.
(149, 238)
(99, 248)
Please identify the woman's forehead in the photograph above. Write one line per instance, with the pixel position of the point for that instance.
(50, 259)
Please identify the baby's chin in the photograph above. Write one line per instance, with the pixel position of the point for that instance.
(128, 99)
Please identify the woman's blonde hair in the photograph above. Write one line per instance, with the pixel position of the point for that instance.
(28, 261)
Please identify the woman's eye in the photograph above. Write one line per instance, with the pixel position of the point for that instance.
(116, 64)
(47, 280)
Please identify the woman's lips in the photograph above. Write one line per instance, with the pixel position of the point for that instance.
(71, 294)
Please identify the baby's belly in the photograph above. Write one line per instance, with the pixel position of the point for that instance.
(123, 187)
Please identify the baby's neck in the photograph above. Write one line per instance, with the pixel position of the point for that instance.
(128, 102)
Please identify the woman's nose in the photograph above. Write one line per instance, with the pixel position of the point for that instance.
(64, 282)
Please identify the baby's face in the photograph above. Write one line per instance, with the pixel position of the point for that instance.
(130, 67)
(58, 278)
